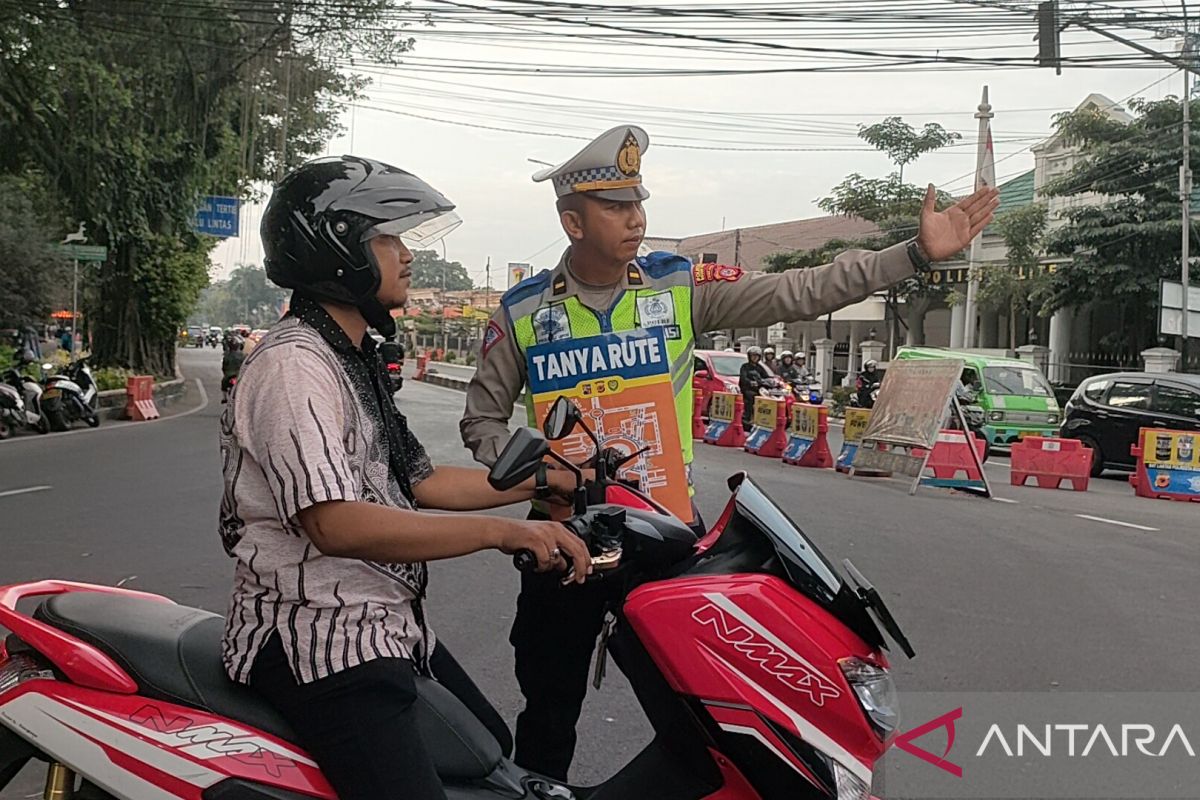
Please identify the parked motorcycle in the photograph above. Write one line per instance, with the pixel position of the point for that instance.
(70, 396)
(28, 413)
(759, 663)
(12, 410)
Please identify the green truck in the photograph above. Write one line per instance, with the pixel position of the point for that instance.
(1015, 396)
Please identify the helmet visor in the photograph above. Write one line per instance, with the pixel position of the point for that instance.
(417, 230)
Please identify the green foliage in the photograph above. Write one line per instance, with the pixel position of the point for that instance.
(1122, 246)
(108, 378)
(840, 396)
(30, 270)
(889, 202)
(134, 111)
(246, 297)
(903, 143)
(1021, 281)
(430, 270)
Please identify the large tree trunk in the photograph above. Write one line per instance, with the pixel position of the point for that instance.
(119, 338)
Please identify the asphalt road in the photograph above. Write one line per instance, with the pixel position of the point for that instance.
(995, 596)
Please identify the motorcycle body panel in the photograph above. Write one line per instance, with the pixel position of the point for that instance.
(734, 644)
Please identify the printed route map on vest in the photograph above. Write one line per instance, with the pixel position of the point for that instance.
(622, 383)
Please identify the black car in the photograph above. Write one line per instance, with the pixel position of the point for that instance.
(1106, 412)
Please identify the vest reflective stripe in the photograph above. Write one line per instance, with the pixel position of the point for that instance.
(623, 317)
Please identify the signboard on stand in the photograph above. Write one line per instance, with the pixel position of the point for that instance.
(908, 416)
(1170, 309)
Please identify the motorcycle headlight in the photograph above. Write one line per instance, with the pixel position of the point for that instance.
(996, 416)
(849, 787)
(876, 694)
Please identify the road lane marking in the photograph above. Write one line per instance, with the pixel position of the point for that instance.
(1006, 500)
(26, 490)
(1116, 522)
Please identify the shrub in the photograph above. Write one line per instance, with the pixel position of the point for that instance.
(840, 395)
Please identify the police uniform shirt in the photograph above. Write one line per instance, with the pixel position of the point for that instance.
(723, 297)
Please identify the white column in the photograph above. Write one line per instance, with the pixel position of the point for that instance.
(958, 315)
(823, 366)
(1060, 345)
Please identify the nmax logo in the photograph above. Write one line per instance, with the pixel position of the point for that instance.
(748, 636)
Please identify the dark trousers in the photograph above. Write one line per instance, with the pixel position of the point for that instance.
(748, 408)
(553, 636)
(360, 725)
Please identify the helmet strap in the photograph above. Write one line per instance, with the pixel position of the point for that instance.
(378, 317)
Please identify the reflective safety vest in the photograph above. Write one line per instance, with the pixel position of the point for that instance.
(664, 300)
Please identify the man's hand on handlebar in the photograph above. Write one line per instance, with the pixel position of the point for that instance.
(551, 543)
(562, 484)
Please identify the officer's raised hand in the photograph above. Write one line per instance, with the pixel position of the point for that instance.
(942, 234)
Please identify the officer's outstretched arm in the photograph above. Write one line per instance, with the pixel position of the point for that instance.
(499, 379)
(730, 298)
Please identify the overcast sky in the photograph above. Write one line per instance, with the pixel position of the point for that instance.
(789, 136)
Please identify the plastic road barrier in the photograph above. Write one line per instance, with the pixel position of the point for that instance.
(725, 421)
(856, 420)
(139, 398)
(808, 437)
(1050, 461)
(1167, 466)
(768, 437)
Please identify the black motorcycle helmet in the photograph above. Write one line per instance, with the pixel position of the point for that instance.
(320, 218)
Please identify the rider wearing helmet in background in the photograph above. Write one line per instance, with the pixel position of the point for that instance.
(231, 364)
(323, 482)
(751, 378)
(865, 384)
(769, 361)
(789, 369)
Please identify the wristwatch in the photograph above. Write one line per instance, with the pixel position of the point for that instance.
(920, 260)
(541, 485)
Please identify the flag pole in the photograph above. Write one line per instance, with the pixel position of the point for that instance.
(985, 175)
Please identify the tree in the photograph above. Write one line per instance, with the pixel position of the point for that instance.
(30, 268)
(1121, 244)
(891, 204)
(430, 270)
(902, 143)
(134, 111)
(246, 297)
(1020, 282)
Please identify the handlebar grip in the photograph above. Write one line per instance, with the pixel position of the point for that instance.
(525, 561)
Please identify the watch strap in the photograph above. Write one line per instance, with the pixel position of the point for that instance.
(541, 483)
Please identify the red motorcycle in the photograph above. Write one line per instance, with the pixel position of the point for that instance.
(759, 665)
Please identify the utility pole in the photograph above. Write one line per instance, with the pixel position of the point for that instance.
(1185, 190)
(75, 306)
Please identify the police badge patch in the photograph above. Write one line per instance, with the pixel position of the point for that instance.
(490, 337)
(551, 324)
(656, 310)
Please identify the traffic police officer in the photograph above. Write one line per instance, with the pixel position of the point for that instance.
(601, 285)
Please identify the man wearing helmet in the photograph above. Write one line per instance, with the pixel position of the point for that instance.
(324, 482)
(790, 369)
(750, 379)
(769, 361)
(865, 384)
(602, 289)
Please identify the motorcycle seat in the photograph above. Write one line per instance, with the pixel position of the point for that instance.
(173, 653)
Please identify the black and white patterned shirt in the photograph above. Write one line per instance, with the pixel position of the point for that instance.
(309, 422)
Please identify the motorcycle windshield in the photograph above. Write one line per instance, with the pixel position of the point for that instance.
(802, 563)
(806, 567)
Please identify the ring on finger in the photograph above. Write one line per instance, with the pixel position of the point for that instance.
(555, 554)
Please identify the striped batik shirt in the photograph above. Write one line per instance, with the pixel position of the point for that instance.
(310, 422)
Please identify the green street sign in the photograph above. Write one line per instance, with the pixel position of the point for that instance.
(84, 252)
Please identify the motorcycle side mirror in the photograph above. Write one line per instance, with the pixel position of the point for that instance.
(562, 419)
(519, 460)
